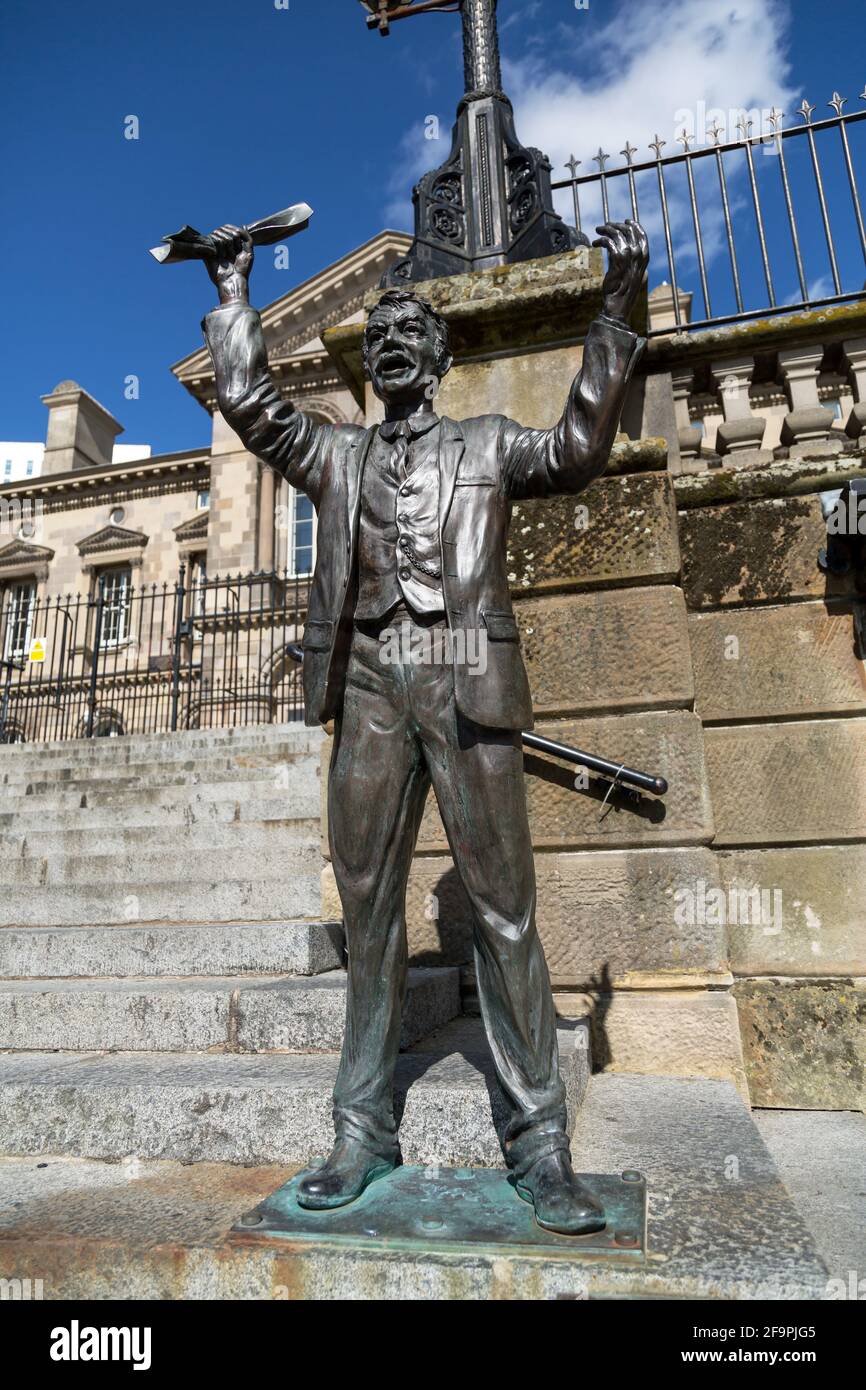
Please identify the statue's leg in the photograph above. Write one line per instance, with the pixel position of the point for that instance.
(377, 787)
(478, 778)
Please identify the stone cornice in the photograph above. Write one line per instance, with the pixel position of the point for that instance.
(169, 467)
(758, 335)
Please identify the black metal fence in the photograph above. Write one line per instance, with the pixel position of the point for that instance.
(188, 655)
(767, 221)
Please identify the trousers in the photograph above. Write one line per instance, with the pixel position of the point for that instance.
(399, 731)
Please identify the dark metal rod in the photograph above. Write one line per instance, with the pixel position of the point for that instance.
(604, 203)
(632, 194)
(760, 221)
(810, 131)
(176, 649)
(783, 170)
(645, 780)
(94, 664)
(858, 211)
(693, 199)
(669, 244)
(732, 250)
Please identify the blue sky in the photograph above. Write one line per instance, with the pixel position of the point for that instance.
(244, 107)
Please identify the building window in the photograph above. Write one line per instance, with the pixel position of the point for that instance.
(197, 583)
(115, 608)
(118, 516)
(202, 501)
(19, 620)
(30, 468)
(302, 552)
(7, 472)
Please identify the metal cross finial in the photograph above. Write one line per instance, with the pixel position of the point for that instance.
(657, 144)
(774, 117)
(716, 130)
(600, 159)
(684, 139)
(837, 102)
(628, 151)
(573, 165)
(744, 126)
(805, 110)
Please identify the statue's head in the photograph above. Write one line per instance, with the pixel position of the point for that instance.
(406, 348)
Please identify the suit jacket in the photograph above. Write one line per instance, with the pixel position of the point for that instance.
(485, 464)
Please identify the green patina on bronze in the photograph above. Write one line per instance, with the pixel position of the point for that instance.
(427, 1210)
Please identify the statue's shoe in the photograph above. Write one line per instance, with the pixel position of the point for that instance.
(342, 1177)
(561, 1203)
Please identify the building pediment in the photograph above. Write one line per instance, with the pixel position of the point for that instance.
(22, 553)
(112, 538)
(194, 529)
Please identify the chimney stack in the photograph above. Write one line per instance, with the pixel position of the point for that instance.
(81, 432)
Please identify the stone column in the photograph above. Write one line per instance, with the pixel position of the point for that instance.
(741, 431)
(267, 501)
(807, 422)
(855, 354)
(688, 435)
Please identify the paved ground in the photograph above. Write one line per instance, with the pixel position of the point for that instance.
(821, 1158)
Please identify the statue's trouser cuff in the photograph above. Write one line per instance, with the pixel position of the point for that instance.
(398, 731)
(537, 1142)
(376, 1134)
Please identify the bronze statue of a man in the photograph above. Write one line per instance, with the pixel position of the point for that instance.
(413, 516)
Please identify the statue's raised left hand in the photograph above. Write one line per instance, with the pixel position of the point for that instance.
(627, 260)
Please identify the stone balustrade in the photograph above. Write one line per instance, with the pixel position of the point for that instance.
(757, 392)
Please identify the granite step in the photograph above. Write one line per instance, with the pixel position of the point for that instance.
(189, 836)
(142, 1229)
(167, 949)
(114, 781)
(118, 901)
(174, 805)
(259, 1109)
(280, 739)
(223, 1014)
(278, 858)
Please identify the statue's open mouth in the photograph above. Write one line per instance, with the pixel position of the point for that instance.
(394, 363)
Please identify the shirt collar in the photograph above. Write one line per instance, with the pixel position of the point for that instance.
(419, 423)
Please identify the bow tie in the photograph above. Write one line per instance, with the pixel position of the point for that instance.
(408, 429)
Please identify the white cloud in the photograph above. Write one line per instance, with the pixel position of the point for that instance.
(654, 69)
(648, 64)
(644, 72)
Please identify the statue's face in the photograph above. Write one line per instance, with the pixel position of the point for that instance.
(402, 354)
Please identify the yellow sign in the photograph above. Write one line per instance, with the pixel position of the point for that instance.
(37, 649)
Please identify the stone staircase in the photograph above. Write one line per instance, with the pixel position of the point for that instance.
(167, 987)
(171, 1012)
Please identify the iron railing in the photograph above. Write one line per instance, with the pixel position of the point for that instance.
(801, 231)
(215, 652)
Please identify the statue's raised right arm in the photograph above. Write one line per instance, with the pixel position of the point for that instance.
(270, 427)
